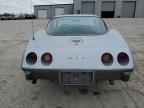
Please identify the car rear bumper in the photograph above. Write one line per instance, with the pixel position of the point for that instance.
(123, 75)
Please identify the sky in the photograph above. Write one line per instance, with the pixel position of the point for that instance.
(24, 6)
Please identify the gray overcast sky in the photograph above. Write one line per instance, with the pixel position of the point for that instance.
(17, 6)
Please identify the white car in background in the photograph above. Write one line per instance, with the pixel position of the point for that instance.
(77, 50)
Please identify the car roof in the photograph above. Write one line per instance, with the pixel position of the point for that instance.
(75, 15)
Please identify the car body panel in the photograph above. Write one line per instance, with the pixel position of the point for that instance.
(85, 56)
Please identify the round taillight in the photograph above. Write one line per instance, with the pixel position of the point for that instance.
(107, 59)
(123, 58)
(47, 58)
(31, 58)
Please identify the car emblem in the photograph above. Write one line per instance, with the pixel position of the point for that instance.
(76, 41)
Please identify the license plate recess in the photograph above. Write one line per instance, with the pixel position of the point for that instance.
(76, 78)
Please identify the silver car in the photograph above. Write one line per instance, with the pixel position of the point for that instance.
(77, 50)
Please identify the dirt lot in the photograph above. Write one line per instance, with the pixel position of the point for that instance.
(16, 92)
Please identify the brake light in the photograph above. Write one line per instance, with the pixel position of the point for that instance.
(31, 58)
(107, 59)
(123, 58)
(47, 58)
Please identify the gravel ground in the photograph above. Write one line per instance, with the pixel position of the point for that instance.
(16, 92)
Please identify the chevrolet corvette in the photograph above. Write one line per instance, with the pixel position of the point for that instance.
(77, 50)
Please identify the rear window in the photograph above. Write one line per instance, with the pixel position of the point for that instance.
(76, 26)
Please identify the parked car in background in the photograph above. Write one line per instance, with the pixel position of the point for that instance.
(4, 18)
(7, 16)
(16, 17)
(30, 17)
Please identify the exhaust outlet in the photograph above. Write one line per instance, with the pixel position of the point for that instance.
(34, 81)
(126, 76)
(111, 82)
